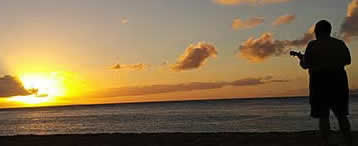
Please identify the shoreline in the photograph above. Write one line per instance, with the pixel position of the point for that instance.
(306, 138)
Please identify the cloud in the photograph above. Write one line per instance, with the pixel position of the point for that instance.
(259, 49)
(124, 20)
(349, 27)
(165, 63)
(251, 2)
(138, 66)
(238, 24)
(166, 88)
(10, 86)
(308, 36)
(285, 19)
(194, 56)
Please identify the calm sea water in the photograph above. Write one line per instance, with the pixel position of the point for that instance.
(259, 115)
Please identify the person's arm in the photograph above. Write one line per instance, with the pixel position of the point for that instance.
(347, 55)
(302, 63)
(305, 60)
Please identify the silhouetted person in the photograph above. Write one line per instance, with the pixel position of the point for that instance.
(325, 58)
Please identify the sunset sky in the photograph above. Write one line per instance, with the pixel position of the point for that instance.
(115, 51)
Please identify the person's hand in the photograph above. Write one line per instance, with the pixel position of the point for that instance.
(297, 54)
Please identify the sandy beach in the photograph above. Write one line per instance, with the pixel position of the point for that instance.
(307, 138)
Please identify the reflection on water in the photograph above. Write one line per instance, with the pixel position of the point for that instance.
(195, 116)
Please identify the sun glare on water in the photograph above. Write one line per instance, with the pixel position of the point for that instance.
(49, 87)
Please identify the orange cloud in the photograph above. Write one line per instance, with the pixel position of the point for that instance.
(124, 20)
(238, 24)
(311, 29)
(253, 2)
(167, 88)
(352, 8)
(194, 56)
(285, 19)
(138, 66)
(11, 86)
(258, 49)
(349, 27)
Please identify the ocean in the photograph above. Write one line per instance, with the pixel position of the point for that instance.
(233, 115)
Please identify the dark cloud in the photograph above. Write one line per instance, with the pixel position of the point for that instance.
(166, 88)
(194, 56)
(138, 66)
(302, 41)
(349, 27)
(285, 19)
(10, 86)
(258, 49)
(251, 2)
(278, 81)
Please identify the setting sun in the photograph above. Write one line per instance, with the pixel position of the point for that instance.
(233, 72)
(48, 87)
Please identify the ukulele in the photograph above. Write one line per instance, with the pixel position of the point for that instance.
(297, 54)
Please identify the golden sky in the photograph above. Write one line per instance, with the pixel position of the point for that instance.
(88, 52)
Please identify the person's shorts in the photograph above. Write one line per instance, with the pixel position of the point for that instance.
(329, 90)
(323, 111)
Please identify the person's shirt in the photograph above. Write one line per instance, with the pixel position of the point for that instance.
(326, 54)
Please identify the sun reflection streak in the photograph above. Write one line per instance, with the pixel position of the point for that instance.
(31, 99)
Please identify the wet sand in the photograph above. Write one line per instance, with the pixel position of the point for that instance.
(308, 138)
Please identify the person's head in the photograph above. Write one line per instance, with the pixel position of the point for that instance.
(323, 29)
